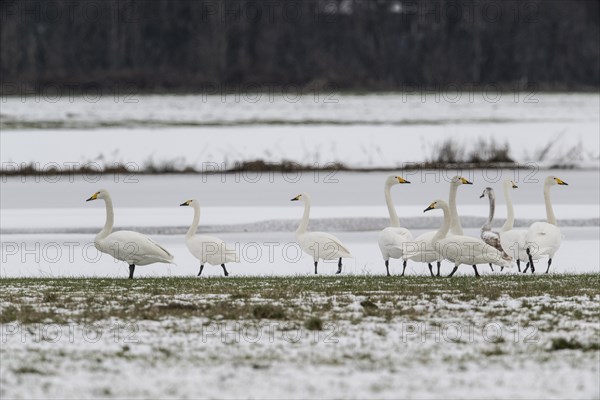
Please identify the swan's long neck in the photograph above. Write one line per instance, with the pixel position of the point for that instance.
(304, 222)
(443, 231)
(110, 219)
(549, 210)
(394, 221)
(488, 225)
(510, 212)
(455, 226)
(194, 227)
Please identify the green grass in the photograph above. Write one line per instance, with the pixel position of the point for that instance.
(491, 286)
(314, 324)
(572, 344)
(31, 300)
(268, 311)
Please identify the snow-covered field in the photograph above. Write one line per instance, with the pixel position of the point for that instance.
(423, 339)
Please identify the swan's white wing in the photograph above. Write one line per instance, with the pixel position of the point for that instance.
(539, 228)
(159, 246)
(513, 243)
(321, 245)
(134, 248)
(391, 241)
(542, 239)
(212, 250)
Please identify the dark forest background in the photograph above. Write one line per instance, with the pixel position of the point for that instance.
(192, 45)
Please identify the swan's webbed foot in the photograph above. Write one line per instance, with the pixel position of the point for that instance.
(476, 272)
(453, 271)
(131, 269)
(430, 269)
(316, 263)
(225, 270)
(339, 271)
(439, 264)
(387, 267)
(403, 267)
(201, 268)
(549, 262)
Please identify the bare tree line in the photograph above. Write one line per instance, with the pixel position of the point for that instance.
(194, 45)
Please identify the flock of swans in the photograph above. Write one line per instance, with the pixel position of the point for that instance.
(541, 239)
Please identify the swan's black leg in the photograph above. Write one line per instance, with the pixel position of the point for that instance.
(430, 269)
(339, 271)
(475, 269)
(526, 267)
(530, 261)
(403, 267)
(453, 271)
(387, 267)
(439, 264)
(225, 270)
(201, 268)
(549, 262)
(316, 262)
(131, 269)
(501, 269)
(519, 265)
(492, 268)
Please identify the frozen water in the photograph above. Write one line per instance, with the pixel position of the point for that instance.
(378, 130)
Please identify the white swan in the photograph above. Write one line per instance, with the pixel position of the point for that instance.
(392, 238)
(131, 247)
(319, 245)
(487, 234)
(543, 238)
(422, 249)
(462, 249)
(512, 239)
(207, 249)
